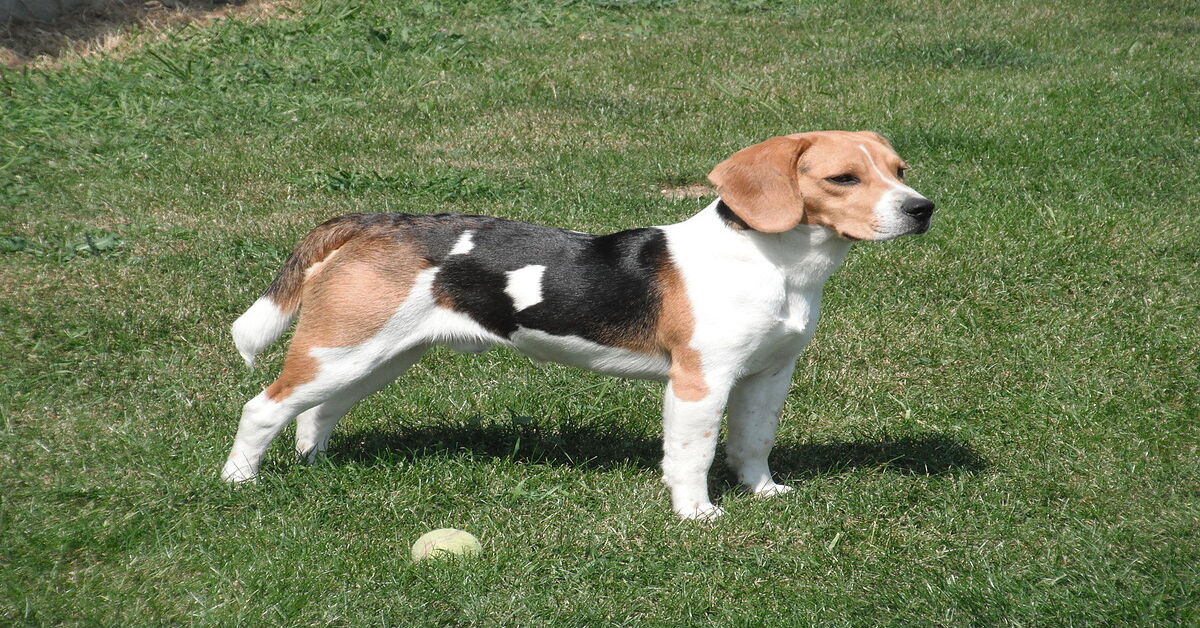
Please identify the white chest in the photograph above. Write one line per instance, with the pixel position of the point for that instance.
(757, 296)
(787, 334)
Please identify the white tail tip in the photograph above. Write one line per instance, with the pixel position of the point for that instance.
(258, 327)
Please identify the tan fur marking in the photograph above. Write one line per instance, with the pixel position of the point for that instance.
(780, 183)
(707, 435)
(672, 335)
(876, 137)
(676, 324)
(847, 210)
(348, 302)
(315, 248)
(299, 368)
(359, 291)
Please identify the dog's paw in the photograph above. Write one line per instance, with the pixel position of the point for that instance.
(308, 457)
(237, 474)
(771, 490)
(700, 511)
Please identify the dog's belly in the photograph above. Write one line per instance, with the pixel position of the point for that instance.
(582, 353)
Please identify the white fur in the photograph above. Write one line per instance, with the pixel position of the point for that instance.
(258, 327)
(525, 286)
(583, 353)
(754, 407)
(259, 425)
(464, 244)
(345, 375)
(314, 426)
(756, 298)
(690, 431)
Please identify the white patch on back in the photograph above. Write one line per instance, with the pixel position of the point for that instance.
(464, 244)
(525, 286)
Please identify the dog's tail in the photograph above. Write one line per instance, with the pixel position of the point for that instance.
(273, 312)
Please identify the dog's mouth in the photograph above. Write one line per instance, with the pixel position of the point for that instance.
(922, 226)
(851, 238)
(916, 225)
(879, 231)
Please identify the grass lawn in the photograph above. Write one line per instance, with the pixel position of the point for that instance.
(996, 423)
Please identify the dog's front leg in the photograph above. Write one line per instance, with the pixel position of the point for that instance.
(690, 426)
(754, 407)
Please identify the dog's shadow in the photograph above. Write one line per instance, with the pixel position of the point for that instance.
(589, 447)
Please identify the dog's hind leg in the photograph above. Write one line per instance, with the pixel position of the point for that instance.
(324, 382)
(360, 311)
(262, 419)
(314, 426)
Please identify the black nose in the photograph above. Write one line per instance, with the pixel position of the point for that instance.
(919, 208)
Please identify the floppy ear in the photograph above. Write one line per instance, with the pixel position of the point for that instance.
(759, 184)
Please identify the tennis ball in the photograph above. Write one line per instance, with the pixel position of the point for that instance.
(445, 542)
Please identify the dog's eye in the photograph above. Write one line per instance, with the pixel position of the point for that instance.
(900, 172)
(843, 179)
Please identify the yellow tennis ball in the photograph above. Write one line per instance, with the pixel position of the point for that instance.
(445, 542)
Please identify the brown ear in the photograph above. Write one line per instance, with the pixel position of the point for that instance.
(759, 184)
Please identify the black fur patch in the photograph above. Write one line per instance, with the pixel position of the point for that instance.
(733, 220)
(602, 288)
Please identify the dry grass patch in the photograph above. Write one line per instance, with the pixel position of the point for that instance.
(686, 191)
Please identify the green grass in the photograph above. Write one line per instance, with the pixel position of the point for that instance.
(996, 423)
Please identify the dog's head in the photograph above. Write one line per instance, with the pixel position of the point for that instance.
(850, 182)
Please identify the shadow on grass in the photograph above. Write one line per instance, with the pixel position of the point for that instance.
(98, 27)
(928, 454)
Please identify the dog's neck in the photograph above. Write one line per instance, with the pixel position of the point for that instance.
(807, 254)
(732, 220)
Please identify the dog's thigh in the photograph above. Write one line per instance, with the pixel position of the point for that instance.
(310, 378)
(314, 426)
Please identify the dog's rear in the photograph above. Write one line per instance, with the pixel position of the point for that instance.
(361, 285)
(272, 313)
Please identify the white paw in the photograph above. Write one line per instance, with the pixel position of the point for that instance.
(772, 490)
(700, 511)
(309, 456)
(237, 474)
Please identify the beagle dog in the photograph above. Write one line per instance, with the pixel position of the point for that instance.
(718, 306)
